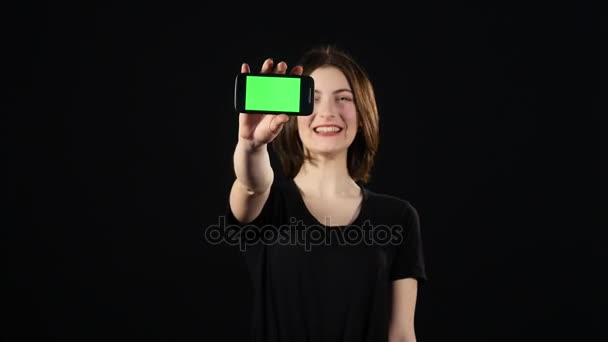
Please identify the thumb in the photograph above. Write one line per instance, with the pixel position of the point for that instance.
(277, 123)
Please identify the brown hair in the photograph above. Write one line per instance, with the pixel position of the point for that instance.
(362, 151)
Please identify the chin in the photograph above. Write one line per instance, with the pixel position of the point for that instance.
(327, 151)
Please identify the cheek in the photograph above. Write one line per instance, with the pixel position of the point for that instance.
(302, 121)
(349, 111)
(303, 124)
(353, 122)
(351, 118)
(302, 133)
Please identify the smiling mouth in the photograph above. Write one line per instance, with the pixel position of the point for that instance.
(327, 129)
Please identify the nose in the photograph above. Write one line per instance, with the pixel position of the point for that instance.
(325, 108)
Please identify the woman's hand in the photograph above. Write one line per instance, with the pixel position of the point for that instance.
(260, 129)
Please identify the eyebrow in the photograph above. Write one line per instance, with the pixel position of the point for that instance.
(336, 91)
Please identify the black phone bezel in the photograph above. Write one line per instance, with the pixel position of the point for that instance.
(306, 94)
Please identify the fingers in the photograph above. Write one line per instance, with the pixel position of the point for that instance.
(267, 66)
(281, 68)
(277, 123)
(297, 70)
(244, 68)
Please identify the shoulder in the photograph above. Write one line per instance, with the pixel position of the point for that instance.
(281, 189)
(390, 204)
(387, 200)
(281, 184)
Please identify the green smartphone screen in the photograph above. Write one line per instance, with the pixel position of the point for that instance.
(272, 93)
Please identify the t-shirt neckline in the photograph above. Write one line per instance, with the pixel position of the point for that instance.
(307, 212)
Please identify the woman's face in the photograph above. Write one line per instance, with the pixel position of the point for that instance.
(332, 126)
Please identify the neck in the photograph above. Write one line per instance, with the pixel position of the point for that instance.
(326, 176)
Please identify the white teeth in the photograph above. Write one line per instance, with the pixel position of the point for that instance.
(325, 129)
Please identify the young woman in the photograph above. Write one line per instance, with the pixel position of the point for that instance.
(354, 271)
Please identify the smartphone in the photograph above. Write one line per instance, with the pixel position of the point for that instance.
(274, 94)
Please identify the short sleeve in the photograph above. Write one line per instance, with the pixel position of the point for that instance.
(408, 259)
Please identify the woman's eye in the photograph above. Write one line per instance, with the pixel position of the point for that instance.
(343, 98)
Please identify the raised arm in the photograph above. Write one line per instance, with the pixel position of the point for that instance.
(254, 174)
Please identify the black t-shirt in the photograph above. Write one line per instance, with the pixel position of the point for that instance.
(327, 283)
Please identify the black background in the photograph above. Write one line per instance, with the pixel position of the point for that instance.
(121, 135)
